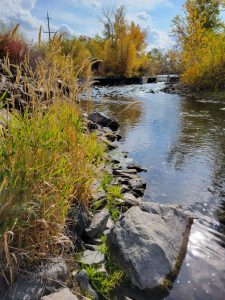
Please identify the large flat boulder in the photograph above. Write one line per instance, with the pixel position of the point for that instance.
(148, 242)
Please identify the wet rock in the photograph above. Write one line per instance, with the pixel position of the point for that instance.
(148, 241)
(110, 146)
(47, 280)
(104, 121)
(124, 174)
(98, 224)
(138, 185)
(137, 167)
(63, 294)
(83, 281)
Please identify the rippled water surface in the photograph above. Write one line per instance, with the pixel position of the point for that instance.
(181, 142)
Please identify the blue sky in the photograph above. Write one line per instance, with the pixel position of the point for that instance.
(81, 16)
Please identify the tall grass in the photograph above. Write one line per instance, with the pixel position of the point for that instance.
(47, 162)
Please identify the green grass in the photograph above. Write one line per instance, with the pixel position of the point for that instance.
(47, 162)
(103, 284)
(113, 192)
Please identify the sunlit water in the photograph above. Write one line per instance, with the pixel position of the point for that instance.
(182, 144)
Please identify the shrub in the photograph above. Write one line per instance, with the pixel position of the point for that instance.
(13, 47)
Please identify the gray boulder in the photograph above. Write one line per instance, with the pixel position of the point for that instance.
(104, 121)
(98, 224)
(148, 242)
(48, 280)
(92, 257)
(63, 294)
(83, 281)
(131, 200)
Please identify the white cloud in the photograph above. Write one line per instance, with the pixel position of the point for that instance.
(64, 28)
(143, 16)
(19, 12)
(92, 3)
(159, 39)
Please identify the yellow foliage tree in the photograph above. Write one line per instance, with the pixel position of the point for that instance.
(202, 41)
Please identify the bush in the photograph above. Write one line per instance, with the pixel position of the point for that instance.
(16, 49)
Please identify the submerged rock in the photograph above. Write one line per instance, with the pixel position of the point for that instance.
(104, 121)
(148, 242)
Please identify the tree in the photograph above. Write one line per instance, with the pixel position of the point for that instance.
(210, 10)
(202, 44)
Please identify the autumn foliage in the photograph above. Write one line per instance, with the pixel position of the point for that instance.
(121, 47)
(201, 38)
(12, 46)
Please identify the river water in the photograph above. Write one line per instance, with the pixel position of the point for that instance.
(181, 141)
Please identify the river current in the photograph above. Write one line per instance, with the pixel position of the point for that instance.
(181, 141)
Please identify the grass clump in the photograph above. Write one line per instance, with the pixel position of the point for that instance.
(113, 193)
(104, 283)
(46, 163)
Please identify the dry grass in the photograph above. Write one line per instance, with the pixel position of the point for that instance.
(47, 162)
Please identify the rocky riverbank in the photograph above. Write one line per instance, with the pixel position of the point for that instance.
(147, 241)
(119, 237)
(182, 90)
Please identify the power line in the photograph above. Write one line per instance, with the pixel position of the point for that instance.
(49, 27)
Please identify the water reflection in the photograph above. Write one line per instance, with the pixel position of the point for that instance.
(128, 111)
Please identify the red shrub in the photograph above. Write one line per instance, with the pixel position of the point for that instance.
(16, 49)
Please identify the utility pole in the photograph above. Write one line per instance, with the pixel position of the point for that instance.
(49, 28)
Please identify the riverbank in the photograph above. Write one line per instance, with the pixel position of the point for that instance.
(72, 198)
(198, 95)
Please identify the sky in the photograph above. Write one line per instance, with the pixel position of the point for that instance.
(82, 16)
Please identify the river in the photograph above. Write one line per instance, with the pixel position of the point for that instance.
(181, 142)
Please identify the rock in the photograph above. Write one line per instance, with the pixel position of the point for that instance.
(63, 294)
(83, 281)
(124, 189)
(78, 220)
(92, 126)
(104, 121)
(107, 232)
(47, 280)
(131, 200)
(124, 174)
(110, 223)
(91, 247)
(92, 257)
(97, 191)
(110, 146)
(138, 185)
(98, 224)
(136, 167)
(148, 242)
